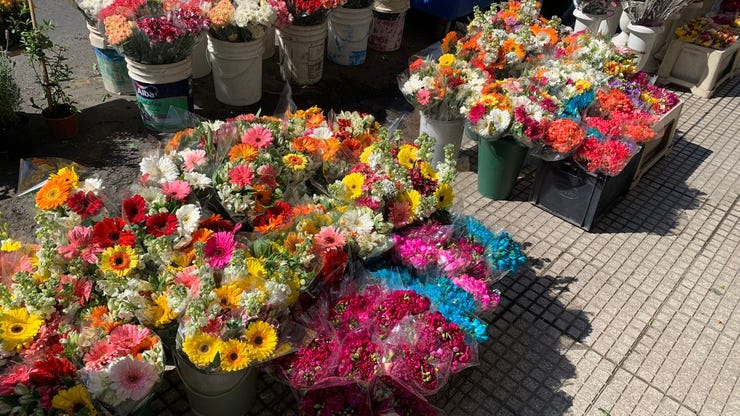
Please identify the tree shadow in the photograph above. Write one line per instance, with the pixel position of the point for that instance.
(521, 366)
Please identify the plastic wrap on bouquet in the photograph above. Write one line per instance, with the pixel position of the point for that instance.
(391, 397)
(608, 157)
(335, 397)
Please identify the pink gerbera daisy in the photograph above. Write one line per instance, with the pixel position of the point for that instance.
(187, 278)
(258, 137)
(128, 336)
(241, 176)
(423, 96)
(329, 238)
(177, 190)
(100, 355)
(18, 374)
(79, 237)
(11, 263)
(219, 249)
(193, 158)
(81, 287)
(133, 379)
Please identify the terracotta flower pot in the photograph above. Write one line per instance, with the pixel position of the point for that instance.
(63, 122)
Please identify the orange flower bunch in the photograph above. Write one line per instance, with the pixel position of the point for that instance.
(564, 135)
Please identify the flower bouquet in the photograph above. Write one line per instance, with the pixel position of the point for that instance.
(310, 12)
(488, 113)
(598, 52)
(603, 150)
(705, 32)
(615, 105)
(240, 21)
(90, 9)
(597, 7)
(439, 88)
(153, 32)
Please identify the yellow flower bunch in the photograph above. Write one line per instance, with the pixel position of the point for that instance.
(258, 343)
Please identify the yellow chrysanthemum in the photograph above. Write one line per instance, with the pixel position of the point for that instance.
(365, 155)
(18, 328)
(53, 194)
(159, 313)
(73, 400)
(262, 339)
(9, 245)
(446, 59)
(235, 355)
(444, 195)
(295, 161)
(201, 349)
(119, 260)
(67, 175)
(428, 171)
(413, 197)
(353, 182)
(229, 295)
(583, 85)
(407, 156)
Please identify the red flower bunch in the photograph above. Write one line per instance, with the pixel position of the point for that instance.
(564, 135)
(608, 157)
(613, 101)
(359, 358)
(396, 306)
(339, 399)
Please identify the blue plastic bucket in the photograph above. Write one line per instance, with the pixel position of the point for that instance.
(113, 71)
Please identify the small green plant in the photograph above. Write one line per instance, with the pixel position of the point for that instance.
(10, 94)
(49, 64)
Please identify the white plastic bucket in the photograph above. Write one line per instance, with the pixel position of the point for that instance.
(588, 22)
(224, 393)
(642, 40)
(609, 26)
(201, 65)
(387, 31)
(237, 70)
(111, 64)
(160, 87)
(269, 41)
(302, 51)
(349, 30)
(444, 132)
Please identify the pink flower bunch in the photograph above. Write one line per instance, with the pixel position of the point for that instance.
(419, 247)
(310, 364)
(397, 305)
(359, 357)
(443, 340)
(42, 375)
(413, 367)
(335, 399)
(353, 311)
(391, 397)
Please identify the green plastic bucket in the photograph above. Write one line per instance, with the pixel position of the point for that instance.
(499, 164)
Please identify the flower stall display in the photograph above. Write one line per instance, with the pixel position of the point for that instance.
(235, 46)
(705, 32)
(100, 294)
(439, 88)
(157, 39)
(302, 43)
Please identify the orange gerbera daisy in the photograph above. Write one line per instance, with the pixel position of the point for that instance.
(263, 197)
(174, 142)
(242, 151)
(53, 194)
(353, 147)
(292, 240)
(330, 148)
(416, 65)
(449, 42)
(98, 318)
(542, 32)
(306, 144)
(472, 43)
(511, 46)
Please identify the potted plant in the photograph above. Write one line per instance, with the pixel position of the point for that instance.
(13, 20)
(13, 126)
(49, 64)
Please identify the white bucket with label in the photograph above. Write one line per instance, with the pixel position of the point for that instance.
(349, 30)
(201, 65)
(444, 132)
(160, 89)
(111, 64)
(237, 70)
(387, 31)
(302, 50)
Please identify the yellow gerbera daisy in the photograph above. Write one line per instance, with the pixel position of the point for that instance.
(119, 260)
(444, 195)
(73, 400)
(407, 156)
(18, 328)
(228, 296)
(201, 349)
(67, 175)
(353, 182)
(365, 155)
(428, 171)
(413, 197)
(295, 161)
(262, 339)
(446, 59)
(159, 313)
(9, 245)
(235, 355)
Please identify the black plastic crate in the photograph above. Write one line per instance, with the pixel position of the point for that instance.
(566, 190)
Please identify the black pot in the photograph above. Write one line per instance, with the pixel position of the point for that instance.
(16, 140)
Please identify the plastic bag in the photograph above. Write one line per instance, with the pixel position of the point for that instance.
(33, 173)
(335, 397)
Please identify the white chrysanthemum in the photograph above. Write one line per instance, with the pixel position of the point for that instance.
(413, 84)
(277, 293)
(322, 133)
(357, 221)
(160, 169)
(197, 180)
(498, 120)
(152, 195)
(188, 217)
(94, 185)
